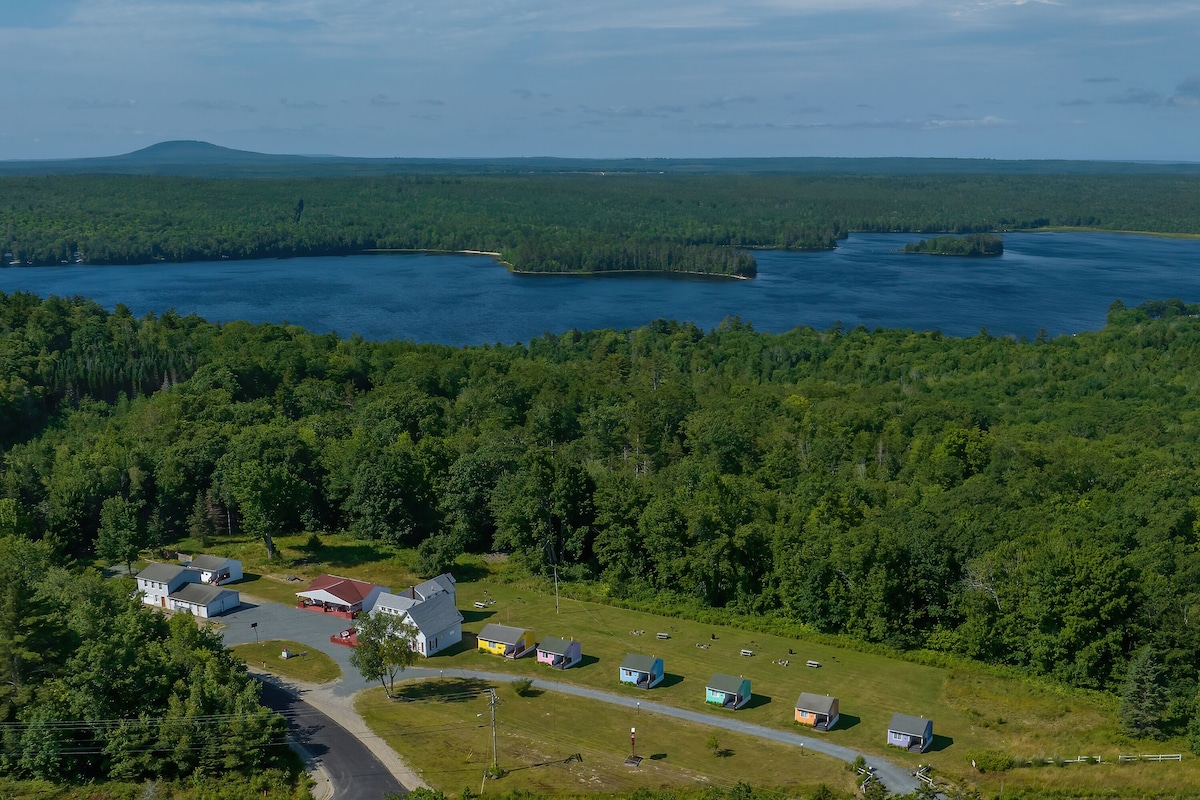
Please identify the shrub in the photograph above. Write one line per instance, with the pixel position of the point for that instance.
(990, 760)
(522, 686)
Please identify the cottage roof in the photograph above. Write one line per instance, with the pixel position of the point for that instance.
(442, 583)
(726, 683)
(347, 590)
(554, 646)
(638, 663)
(817, 703)
(913, 726)
(199, 593)
(504, 634)
(209, 563)
(435, 614)
(163, 573)
(396, 602)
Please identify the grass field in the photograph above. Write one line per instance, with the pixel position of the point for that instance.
(971, 708)
(305, 664)
(447, 731)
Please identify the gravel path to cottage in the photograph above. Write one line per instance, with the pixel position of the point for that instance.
(277, 621)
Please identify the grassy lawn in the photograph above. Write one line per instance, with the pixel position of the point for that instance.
(450, 738)
(305, 664)
(971, 709)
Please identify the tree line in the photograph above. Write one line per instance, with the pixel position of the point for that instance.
(1025, 503)
(569, 222)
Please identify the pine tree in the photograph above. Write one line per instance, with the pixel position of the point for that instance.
(1143, 698)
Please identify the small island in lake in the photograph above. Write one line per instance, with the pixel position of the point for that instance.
(973, 244)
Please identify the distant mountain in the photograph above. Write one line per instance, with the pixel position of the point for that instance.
(205, 160)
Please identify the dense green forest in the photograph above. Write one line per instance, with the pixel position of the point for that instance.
(973, 245)
(96, 686)
(572, 222)
(1032, 504)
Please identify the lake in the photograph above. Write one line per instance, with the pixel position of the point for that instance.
(1060, 282)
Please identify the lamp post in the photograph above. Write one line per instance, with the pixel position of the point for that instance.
(633, 741)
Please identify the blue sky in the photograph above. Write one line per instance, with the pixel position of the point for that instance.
(1105, 79)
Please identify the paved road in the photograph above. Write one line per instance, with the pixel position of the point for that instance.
(277, 621)
(353, 770)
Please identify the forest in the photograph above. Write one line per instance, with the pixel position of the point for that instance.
(575, 222)
(1023, 503)
(96, 686)
(972, 245)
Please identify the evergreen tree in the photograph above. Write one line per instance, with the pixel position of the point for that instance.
(1143, 698)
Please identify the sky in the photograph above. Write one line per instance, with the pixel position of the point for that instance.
(1076, 79)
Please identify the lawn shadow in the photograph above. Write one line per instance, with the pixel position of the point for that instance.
(724, 752)
(476, 615)
(658, 757)
(846, 721)
(348, 555)
(449, 690)
(586, 661)
(939, 743)
(757, 701)
(469, 573)
(669, 680)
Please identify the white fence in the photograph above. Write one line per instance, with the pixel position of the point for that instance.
(1158, 757)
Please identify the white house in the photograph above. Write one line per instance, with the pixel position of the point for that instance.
(177, 588)
(204, 600)
(216, 570)
(437, 619)
(442, 583)
(157, 581)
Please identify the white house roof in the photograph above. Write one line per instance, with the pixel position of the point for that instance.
(504, 634)
(199, 593)
(442, 583)
(396, 602)
(209, 563)
(163, 573)
(913, 726)
(435, 614)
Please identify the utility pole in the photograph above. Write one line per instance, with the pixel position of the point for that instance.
(495, 759)
(556, 588)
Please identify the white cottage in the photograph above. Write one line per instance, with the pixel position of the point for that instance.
(216, 570)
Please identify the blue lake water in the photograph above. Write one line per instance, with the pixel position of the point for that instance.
(1060, 282)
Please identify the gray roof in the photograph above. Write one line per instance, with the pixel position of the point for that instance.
(400, 602)
(199, 593)
(209, 563)
(725, 683)
(163, 573)
(500, 633)
(819, 703)
(435, 614)
(638, 663)
(554, 645)
(913, 726)
(442, 583)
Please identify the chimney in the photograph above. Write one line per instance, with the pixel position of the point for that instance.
(412, 592)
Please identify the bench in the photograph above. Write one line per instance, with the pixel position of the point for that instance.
(480, 605)
(813, 664)
(747, 652)
(662, 635)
